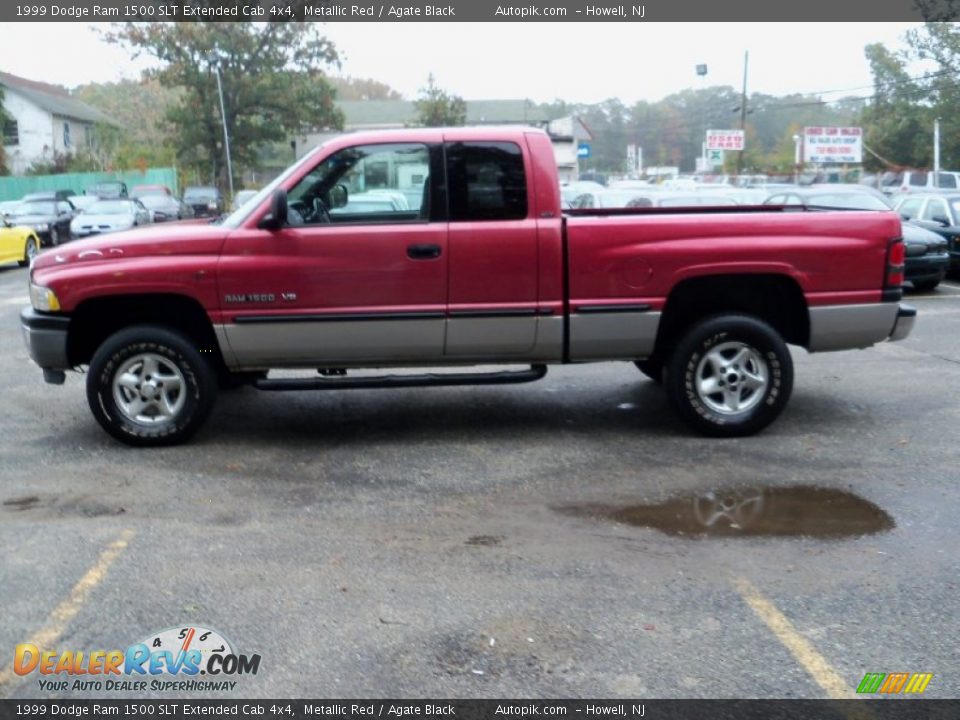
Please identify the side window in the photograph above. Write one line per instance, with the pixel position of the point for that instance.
(792, 200)
(947, 180)
(584, 201)
(934, 208)
(910, 208)
(386, 183)
(918, 179)
(486, 181)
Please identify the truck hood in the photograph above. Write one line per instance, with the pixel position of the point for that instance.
(166, 240)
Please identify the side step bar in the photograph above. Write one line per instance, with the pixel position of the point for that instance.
(503, 377)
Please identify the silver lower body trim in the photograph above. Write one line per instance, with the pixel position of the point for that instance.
(848, 327)
(613, 335)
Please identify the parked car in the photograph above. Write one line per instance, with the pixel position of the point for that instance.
(50, 219)
(142, 191)
(206, 201)
(7, 206)
(490, 272)
(110, 216)
(49, 195)
(162, 207)
(108, 190)
(241, 197)
(18, 243)
(926, 259)
(909, 181)
(938, 212)
(82, 202)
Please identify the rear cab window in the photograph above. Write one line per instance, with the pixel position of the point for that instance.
(486, 181)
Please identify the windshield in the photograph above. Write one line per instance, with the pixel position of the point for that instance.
(109, 208)
(200, 194)
(155, 201)
(848, 201)
(234, 219)
(36, 208)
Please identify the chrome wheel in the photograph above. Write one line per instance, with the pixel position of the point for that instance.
(149, 389)
(731, 378)
(31, 253)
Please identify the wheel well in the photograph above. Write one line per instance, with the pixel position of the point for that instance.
(776, 299)
(97, 319)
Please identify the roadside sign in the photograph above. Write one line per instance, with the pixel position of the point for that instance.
(583, 150)
(725, 139)
(715, 158)
(832, 145)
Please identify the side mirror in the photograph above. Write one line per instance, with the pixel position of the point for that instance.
(277, 217)
(941, 220)
(338, 196)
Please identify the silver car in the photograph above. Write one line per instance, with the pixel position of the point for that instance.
(107, 216)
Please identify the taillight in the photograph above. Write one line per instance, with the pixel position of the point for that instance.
(895, 255)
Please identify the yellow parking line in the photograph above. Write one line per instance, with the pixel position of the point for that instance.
(68, 608)
(801, 648)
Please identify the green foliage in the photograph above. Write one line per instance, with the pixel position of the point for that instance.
(273, 85)
(438, 108)
(672, 130)
(349, 88)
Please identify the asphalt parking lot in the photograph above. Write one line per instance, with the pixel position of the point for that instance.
(567, 538)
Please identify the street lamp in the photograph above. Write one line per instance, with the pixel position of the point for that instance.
(215, 61)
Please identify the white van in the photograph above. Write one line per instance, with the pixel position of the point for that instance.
(914, 180)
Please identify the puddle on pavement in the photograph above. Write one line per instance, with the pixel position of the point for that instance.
(793, 511)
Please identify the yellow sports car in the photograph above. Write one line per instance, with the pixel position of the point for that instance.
(18, 243)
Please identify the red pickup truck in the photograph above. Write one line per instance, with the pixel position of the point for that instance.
(449, 247)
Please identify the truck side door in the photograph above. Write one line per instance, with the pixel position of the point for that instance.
(343, 284)
(493, 251)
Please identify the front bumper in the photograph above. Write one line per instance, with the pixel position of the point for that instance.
(927, 267)
(906, 317)
(45, 336)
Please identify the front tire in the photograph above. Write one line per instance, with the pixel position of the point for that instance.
(730, 376)
(149, 386)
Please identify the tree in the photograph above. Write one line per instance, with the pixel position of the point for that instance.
(273, 84)
(350, 88)
(438, 108)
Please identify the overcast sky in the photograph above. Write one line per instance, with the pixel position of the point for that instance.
(580, 62)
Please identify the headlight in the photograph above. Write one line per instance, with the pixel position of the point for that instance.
(43, 299)
(41, 227)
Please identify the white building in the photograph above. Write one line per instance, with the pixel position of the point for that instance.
(46, 121)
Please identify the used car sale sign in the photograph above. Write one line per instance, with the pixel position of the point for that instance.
(832, 145)
(725, 139)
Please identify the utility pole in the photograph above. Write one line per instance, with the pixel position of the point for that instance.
(226, 134)
(743, 112)
(936, 152)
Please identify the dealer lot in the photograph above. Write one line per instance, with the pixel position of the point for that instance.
(475, 542)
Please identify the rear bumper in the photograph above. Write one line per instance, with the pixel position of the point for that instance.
(906, 317)
(45, 336)
(849, 327)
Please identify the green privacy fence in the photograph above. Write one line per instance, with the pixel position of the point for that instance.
(14, 188)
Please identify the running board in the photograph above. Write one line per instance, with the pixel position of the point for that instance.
(504, 377)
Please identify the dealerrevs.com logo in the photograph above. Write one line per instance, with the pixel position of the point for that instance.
(178, 659)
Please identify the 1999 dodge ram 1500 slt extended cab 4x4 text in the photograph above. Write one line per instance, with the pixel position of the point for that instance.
(449, 247)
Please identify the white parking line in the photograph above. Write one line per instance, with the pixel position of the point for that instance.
(22, 300)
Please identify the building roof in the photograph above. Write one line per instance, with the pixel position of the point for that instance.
(55, 100)
(397, 113)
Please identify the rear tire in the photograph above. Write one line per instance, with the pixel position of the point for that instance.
(925, 285)
(149, 386)
(730, 376)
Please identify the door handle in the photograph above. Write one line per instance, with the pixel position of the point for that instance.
(423, 252)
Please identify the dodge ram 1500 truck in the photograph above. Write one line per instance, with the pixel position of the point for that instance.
(448, 247)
